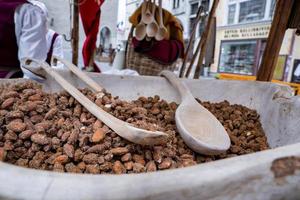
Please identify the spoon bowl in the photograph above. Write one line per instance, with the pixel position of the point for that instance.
(161, 33)
(198, 127)
(152, 27)
(140, 31)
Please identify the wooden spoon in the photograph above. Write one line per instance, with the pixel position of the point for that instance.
(123, 129)
(140, 29)
(198, 127)
(152, 27)
(147, 16)
(162, 32)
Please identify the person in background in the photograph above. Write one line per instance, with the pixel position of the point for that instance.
(23, 34)
(100, 50)
(111, 54)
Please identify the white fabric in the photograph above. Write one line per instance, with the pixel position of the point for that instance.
(31, 29)
(33, 38)
(41, 6)
(124, 72)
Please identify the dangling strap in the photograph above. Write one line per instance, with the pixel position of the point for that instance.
(49, 55)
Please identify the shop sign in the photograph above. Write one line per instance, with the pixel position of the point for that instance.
(247, 33)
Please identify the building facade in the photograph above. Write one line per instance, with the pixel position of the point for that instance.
(113, 24)
(111, 30)
(186, 11)
(242, 30)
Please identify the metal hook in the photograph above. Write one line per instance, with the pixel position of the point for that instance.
(65, 38)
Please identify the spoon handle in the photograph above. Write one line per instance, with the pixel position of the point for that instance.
(153, 8)
(144, 8)
(179, 85)
(85, 78)
(161, 22)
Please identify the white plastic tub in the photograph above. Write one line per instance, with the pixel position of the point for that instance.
(244, 177)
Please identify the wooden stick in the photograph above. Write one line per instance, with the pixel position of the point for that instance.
(205, 36)
(75, 32)
(274, 42)
(187, 74)
(192, 39)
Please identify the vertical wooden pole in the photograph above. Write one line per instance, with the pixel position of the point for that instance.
(189, 69)
(205, 36)
(274, 42)
(190, 46)
(75, 32)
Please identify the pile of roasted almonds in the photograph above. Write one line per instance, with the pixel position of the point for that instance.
(54, 132)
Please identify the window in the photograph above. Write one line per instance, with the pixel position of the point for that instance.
(252, 10)
(238, 57)
(280, 65)
(296, 70)
(176, 4)
(231, 13)
(205, 4)
(273, 2)
(194, 8)
(201, 27)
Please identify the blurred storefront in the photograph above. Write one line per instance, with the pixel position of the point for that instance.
(242, 30)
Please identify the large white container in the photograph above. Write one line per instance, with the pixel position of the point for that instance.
(244, 177)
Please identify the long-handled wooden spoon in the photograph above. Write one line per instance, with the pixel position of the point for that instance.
(162, 32)
(140, 29)
(124, 129)
(198, 127)
(152, 27)
(147, 16)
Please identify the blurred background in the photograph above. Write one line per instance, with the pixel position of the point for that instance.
(242, 28)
